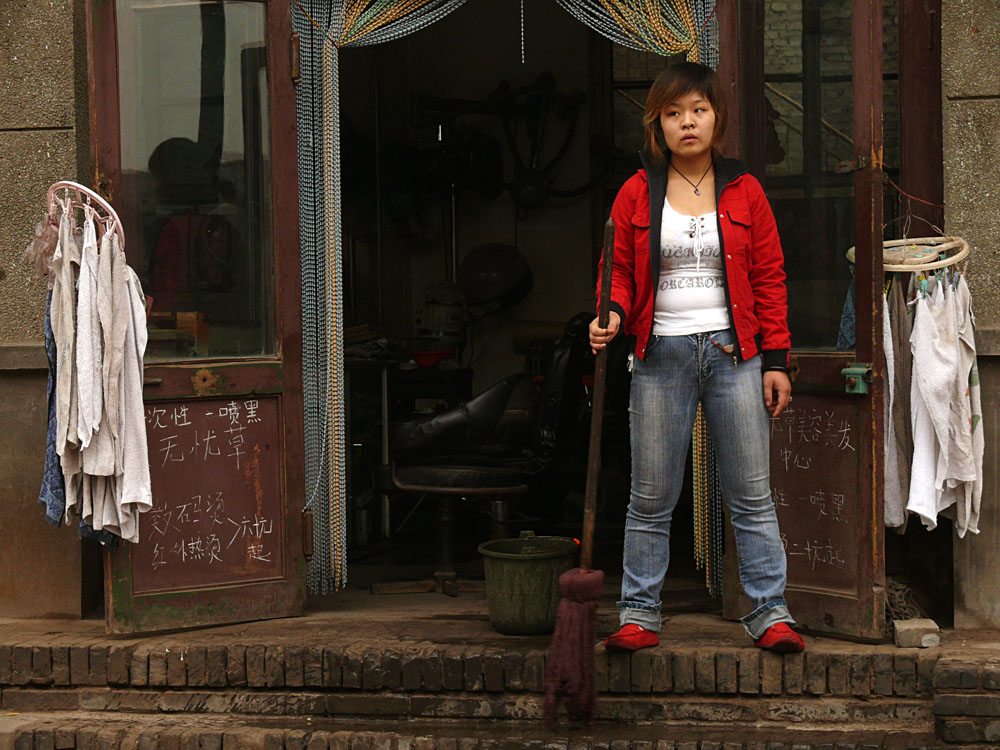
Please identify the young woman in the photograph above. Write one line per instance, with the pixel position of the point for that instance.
(698, 280)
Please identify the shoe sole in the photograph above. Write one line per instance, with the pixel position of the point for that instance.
(620, 648)
(784, 647)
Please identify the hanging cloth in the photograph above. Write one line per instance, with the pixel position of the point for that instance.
(135, 494)
(115, 486)
(99, 454)
(963, 500)
(65, 263)
(97, 464)
(666, 27)
(943, 456)
(52, 495)
(324, 27)
(895, 503)
(898, 427)
(88, 337)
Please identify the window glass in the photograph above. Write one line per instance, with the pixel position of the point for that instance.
(809, 120)
(808, 91)
(196, 173)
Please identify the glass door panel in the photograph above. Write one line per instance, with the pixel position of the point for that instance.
(185, 96)
(809, 120)
(195, 150)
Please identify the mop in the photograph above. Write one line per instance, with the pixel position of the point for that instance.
(569, 667)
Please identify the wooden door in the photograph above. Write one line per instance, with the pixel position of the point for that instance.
(810, 111)
(193, 134)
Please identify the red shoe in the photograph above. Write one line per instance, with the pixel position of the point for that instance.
(781, 639)
(631, 637)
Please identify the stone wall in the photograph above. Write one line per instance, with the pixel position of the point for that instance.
(971, 119)
(43, 138)
(970, 78)
(38, 140)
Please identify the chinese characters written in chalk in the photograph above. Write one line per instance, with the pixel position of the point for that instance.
(814, 552)
(201, 531)
(828, 506)
(804, 429)
(173, 438)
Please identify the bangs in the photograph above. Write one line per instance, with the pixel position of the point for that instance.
(672, 84)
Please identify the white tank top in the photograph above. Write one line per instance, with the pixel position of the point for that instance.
(690, 293)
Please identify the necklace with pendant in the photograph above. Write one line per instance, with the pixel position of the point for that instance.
(692, 184)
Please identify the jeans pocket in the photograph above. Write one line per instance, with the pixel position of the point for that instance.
(723, 339)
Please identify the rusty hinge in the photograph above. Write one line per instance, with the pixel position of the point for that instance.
(843, 167)
(293, 50)
(103, 186)
(793, 368)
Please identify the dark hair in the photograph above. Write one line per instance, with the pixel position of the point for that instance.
(670, 85)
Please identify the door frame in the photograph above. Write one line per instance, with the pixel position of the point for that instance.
(741, 28)
(278, 373)
(869, 179)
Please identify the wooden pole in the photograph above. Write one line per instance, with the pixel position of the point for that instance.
(597, 410)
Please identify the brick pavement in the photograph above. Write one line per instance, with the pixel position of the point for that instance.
(431, 658)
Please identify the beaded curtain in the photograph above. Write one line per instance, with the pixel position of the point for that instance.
(666, 27)
(324, 27)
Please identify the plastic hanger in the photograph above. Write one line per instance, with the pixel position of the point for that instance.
(79, 195)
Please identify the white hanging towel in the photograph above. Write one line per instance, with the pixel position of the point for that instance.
(99, 456)
(941, 413)
(88, 337)
(64, 260)
(135, 494)
(895, 503)
(120, 490)
(969, 494)
(99, 322)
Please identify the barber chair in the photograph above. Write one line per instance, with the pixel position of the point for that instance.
(499, 444)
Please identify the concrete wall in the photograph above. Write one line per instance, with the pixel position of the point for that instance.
(971, 119)
(42, 72)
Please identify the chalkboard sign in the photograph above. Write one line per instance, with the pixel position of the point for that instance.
(217, 518)
(814, 466)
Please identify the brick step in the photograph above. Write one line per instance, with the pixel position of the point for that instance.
(774, 711)
(81, 730)
(860, 671)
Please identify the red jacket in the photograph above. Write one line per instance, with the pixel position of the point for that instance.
(752, 260)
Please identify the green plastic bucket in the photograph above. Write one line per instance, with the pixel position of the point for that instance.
(522, 581)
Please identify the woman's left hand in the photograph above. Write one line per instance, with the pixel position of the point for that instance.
(777, 391)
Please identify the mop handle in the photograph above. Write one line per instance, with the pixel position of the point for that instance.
(597, 410)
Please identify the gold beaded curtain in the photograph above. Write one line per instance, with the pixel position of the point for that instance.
(666, 27)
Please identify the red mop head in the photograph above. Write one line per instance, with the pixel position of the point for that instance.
(569, 667)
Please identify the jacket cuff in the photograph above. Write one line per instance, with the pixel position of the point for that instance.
(615, 307)
(775, 359)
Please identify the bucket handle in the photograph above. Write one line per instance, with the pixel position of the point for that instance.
(528, 547)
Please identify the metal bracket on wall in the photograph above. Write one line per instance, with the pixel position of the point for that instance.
(858, 375)
(843, 167)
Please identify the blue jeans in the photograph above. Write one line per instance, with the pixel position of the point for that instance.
(677, 372)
